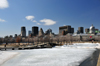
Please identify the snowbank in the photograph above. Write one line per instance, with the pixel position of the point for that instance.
(79, 34)
(81, 45)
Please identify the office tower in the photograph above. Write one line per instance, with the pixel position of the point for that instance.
(77, 32)
(72, 30)
(63, 32)
(35, 30)
(15, 35)
(87, 30)
(41, 33)
(67, 29)
(81, 29)
(29, 32)
(23, 31)
(48, 31)
(10, 36)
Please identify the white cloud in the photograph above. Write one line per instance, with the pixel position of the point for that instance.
(34, 21)
(30, 17)
(48, 21)
(1, 20)
(38, 23)
(4, 4)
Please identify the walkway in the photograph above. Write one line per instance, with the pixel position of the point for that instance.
(98, 63)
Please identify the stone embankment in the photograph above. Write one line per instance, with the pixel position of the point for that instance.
(25, 46)
(98, 63)
(91, 61)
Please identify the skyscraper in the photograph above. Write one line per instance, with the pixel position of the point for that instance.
(81, 29)
(35, 30)
(66, 29)
(72, 30)
(41, 33)
(15, 35)
(29, 32)
(63, 32)
(87, 30)
(48, 31)
(23, 31)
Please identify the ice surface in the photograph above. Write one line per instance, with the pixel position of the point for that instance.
(4, 56)
(66, 55)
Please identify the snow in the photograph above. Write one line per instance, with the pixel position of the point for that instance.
(98, 33)
(81, 45)
(6, 55)
(66, 55)
(80, 34)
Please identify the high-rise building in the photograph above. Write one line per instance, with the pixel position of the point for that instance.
(10, 36)
(72, 30)
(23, 31)
(15, 35)
(87, 30)
(41, 33)
(29, 32)
(35, 30)
(81, 29)
(48, 31)
(67, 29)
(63, 32)
(77, 32)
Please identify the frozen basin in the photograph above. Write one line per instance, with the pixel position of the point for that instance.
(68, 55)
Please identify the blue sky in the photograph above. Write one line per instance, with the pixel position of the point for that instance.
(47, 14)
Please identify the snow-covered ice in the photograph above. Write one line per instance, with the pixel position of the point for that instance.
(67, 55)
(81, 45)
(4, 56)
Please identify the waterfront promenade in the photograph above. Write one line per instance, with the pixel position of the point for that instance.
(98, 63)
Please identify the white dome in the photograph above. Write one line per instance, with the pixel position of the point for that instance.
(92, 27)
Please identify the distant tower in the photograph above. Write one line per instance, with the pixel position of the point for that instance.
(35, 30)
(63, 32)
(81, 29)
(15, 35)
(23, 31)
(87, 30)
(10, 36)
(92, 29)
(48, 31)
(72, 30)
(41, 33)
(67, 29)
(29, 32)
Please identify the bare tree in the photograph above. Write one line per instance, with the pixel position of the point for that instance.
(18, 40)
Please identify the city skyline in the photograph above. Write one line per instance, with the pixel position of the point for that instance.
(47, 14)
